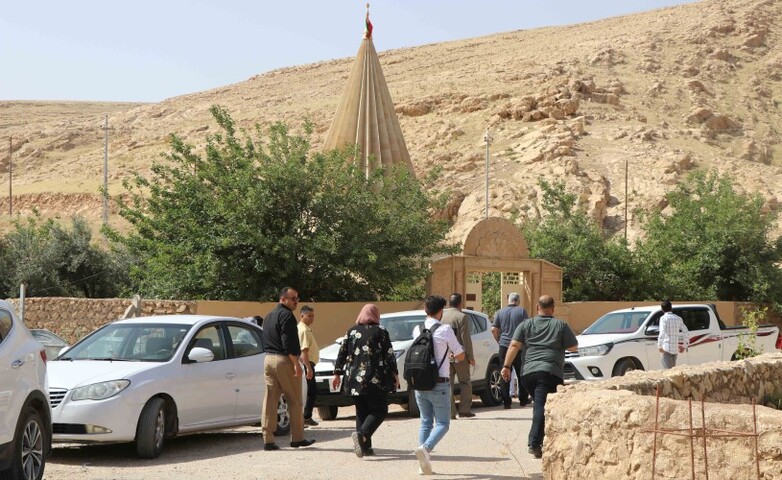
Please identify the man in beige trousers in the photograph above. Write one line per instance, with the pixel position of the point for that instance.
(282, 370)
(460, 323)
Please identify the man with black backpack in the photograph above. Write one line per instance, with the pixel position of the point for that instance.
(427, 371)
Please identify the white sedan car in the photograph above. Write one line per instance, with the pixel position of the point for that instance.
(485, 376)
(144, 380)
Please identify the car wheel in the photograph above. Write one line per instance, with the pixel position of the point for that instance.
(623, 366)
(328, 412)
(151, 429)
(491, 395)
(30, 443)
(412, 405)
(283, 417)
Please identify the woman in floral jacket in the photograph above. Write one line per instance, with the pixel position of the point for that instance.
(366, 358)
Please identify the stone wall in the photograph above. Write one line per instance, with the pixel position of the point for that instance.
(597, 430)
(72, 318)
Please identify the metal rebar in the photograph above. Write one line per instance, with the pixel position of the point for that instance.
(705, 434)
(654, 445)
(692, 443)
(755, 431)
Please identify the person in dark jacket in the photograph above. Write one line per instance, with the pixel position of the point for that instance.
(366, 359)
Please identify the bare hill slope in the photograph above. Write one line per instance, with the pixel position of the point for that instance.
(669, 91)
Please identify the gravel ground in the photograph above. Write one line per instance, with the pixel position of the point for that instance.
(491, 445)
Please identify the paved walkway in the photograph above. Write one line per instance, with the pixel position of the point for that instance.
(491, 445)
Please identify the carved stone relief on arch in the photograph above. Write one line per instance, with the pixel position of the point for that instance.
(496, 238)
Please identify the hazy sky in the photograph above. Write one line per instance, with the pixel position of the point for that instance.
(144, 50)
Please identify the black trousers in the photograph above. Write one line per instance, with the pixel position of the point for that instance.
(312, 392)
(540, 384)
(505, 386)
(371, 410)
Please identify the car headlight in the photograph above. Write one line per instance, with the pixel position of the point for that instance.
(398, 353)
(595, 351)
(100, 391)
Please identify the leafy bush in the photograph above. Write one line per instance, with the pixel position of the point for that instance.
(249, 216)
(748, 346)
(54, 261)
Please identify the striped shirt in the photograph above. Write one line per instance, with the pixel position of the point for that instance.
(670, 337)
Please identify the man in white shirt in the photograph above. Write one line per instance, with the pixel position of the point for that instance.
(674, 337)
(435, 404)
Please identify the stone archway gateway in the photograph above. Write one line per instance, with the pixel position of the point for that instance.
(495, 245)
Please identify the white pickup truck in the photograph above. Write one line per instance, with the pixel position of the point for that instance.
(625, 340)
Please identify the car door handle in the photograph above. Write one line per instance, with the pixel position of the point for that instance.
(230, 376)
(17, 363)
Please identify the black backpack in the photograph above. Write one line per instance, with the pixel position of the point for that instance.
(421, 367)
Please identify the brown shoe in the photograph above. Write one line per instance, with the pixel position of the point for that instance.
(466, 415)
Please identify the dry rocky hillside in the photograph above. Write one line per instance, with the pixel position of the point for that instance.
(672, 90)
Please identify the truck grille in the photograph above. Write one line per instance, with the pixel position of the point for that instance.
(56, 396)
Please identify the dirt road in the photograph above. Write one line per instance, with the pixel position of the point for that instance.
(490, 446)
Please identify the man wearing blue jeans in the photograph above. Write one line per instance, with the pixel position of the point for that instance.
(546, 339)
(435, 404)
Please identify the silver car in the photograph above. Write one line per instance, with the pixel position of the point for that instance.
(25, 417)
(144, 380)
(52, 344)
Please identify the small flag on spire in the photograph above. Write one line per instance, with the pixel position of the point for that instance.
(368, 27)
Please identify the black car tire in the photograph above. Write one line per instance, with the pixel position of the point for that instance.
(283, 417)
(623, 366)
(29, 449)
(328, 412)
(491, 394)
(151, 429)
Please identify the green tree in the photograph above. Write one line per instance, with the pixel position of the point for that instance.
(712, 244)
(594, 268)
(54, 261)
(249, 216)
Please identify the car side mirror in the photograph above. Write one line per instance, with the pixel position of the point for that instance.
(339, 340)
(63, 350)
(653, 330)
(200, 355)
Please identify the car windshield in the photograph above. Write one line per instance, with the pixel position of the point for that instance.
(401, 328)
(617, 322)
(153, 342)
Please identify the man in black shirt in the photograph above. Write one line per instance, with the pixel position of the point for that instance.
(282, 370)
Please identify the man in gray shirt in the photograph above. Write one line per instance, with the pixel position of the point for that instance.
(506, 320)
(545, 338)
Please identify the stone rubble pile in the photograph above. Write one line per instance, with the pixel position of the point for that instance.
(603, 429)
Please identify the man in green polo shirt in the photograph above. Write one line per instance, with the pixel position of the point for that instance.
(546, 339)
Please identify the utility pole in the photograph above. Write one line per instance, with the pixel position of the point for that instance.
(626, 200)
(487, 138)
(10, 176)
(106, 171)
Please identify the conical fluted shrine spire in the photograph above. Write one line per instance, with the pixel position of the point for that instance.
(366, 116)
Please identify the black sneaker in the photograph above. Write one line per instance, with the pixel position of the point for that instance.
(358, 445)
(536, 452)
(270, 446)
